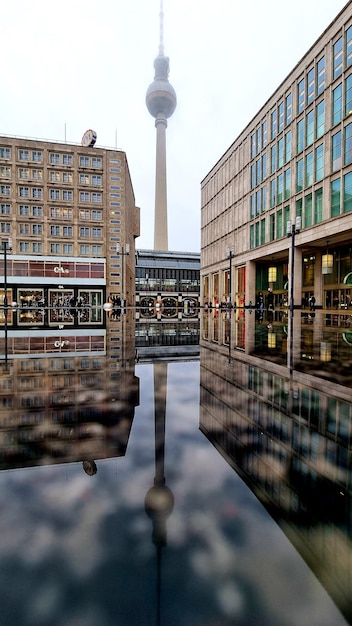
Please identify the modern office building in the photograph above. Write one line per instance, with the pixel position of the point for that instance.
(68, 224)
(276, 208)
(167, 285)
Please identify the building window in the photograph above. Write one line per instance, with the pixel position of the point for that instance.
(24, 246)
(96, 162)
(84, 161)
(338, 58)
(67, 231)
(96, 232)
(97, 197)
(37, 229)
(54, 158)
(67, 159)
(36, 156)
(288, 109)
(300, 136)
(287, 190)
(84, 196)
(37, 211)
(348, 95)
(301, 94)
(23, 172)
(84, 179)
(97, 180)
(309, 128)
(5, 209)
(5, 172)
(97, 215)
(96, 250)
(55, 231)
(308, 210)
(37, 174)
(309, 169)
(5, 227)
(67, 177)
(67, 248)
(264, 135)
(84, 231)
(272, 193)
(279, 224)
(318, 205)
(348, 145)
(5, 153)
(273, 124)
(299, 175)
(281, 118)
(310, 85)
(257, 234)
(299, 208)
(280, 188)
(55, 248)
(273, 157)
(320, 76)
(55, 176)
(320, 119)
(67, 195)
(336, 151)
(335, 197)
(5, 190)
(37, 192)
(280, 152)
(54, 194)
(337, 105)
(84, 214)
(288, 146)
(286, 218)
(23, 209)
(84, 249)
(24, 192)
(347, 193)
(37, 247)
(23, 155)
(319, 162)
(272, 227)
(24, 229)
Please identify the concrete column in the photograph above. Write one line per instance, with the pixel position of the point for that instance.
(250, 282)
(318, 281)
(160, 224)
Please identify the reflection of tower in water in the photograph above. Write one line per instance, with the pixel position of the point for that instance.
(159, 500)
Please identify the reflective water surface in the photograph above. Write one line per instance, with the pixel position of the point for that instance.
(148, 480)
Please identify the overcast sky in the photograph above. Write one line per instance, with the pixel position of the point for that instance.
(76, 64)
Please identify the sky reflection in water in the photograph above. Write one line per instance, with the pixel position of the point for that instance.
(77, 550)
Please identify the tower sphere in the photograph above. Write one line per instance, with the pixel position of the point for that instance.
(161, 97)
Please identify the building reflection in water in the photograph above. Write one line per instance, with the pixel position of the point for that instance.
(70, 396)
(67, 396)
(321, 340)
(290, 441)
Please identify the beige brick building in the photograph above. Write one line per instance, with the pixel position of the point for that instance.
(63, 210)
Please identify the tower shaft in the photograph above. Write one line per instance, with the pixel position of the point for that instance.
(160, 218)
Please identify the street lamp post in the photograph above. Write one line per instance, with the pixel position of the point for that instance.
(121, 251)
(292, 229)
(230, 255)
(5, 246)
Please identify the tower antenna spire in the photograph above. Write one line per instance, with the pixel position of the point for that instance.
(161, 15)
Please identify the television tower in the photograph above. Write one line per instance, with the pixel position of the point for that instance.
(161, 103)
